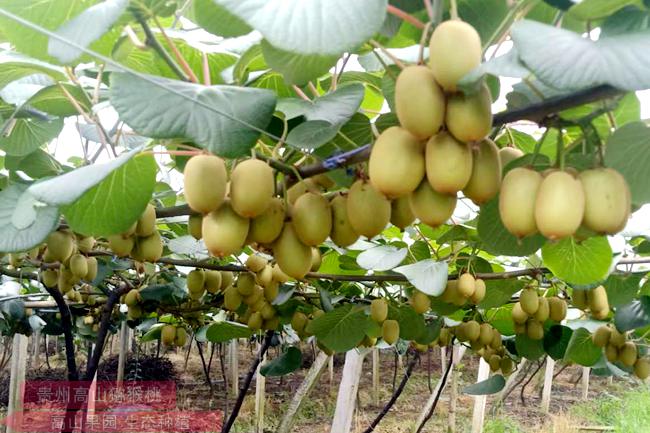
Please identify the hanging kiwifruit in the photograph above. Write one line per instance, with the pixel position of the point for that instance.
(251, 187)
(168, 335)
(368, 209)
(342, 233)
(485, 181)
(224, 231)
(379, 310)
(607, 200)
(517, 201)
(148, 249)
(401, 215)
(205, 181)
(390, 331)
(60, 245)
(469, 117)
(312, 218)
(431, 207)
(120, 245)
(194, 224)
(293, 257)
(419, 101)
(559, 206)
(454, 50)
(509, 154)
(448, 163)
(146, 224)
(266, 227)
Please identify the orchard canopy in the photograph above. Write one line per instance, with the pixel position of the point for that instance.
(354, 173)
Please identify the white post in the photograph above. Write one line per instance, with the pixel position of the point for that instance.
(16, 383)
(443, 359)
(479, 400)
(330, 368)
(548, 383)
(233, 362)
(260, 385)
(36, 349)
(124, 347)
(585, 382)
(375, 376)
(347, 397)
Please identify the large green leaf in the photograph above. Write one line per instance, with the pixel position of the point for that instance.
(581, 349)
(499, 292)
(314, 27)
(622, 289)
(216, 19)
(53, 100)
(579, 263)
(340, 329)
(36, 165)
(628, 152)
(226, 120)
(484, 15)
(225, 331)
(634, 315)
(428, 276)
(556, 340)
(593, 9)
(411, 324)
(27, 135)
(382, 257)
(529, 348)
(286, 363)
(486, 387)
(14, 66)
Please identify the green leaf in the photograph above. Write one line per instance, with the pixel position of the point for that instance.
(634, 315)
(582, 350)
(628, 152)
(275, 82)
(169, 293)
(486, 387)
(53, 100)
(113, 205)
(593, 9)
(152, 334)
(528, 348)
(499, 292)
(484, 15)
(311, 134)
(314, 27)
(27, 135)
(622, 289)
(224, 119)
(579, 263)
(497, 239)
(13, 309)
(382, 257)
(430, 332)
(286, 363)
(411, 324)
(340, 329)
(428, 276)
(297, 68)
(216, 19)
(225, 331)
(14, 66)
(501, 319)
(36, 165)
(556, 340)
(23, 223)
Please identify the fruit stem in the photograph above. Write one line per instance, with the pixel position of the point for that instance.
(453, 9)
(429, 8)
(177, 53)
(560, 149)
(538, 147)
(300, 93)
(423, 41)
(388, 54)
(405, 16)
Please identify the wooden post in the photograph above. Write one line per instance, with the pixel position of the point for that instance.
(375, 376)
(347, 396)
(310, 381)
(16, 383)
(585, 382)
(260, 385)
(36, 350)
(124, 347)
(548, 383)
(233, 363)
(459, 351)
(479, 400)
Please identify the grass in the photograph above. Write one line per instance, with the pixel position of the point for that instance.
(502, 425)
(626, 412)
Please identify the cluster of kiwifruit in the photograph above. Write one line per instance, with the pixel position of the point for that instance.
(463, 290)
(532, 310)
(594, 300)
(142, 241)
(486, 341)
(171, 335)
(619, 349)
(558, 203)
(389, 327)
(300, 322)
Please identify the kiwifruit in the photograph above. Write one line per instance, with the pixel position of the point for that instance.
(401, 215)
(390, 331)
(611, 353)
(265, 276)
(273, 323)
(602, 335)
(312, 218)
(419, 101)
(271, 291)
(431, 207)
(89, 320)
(396, 164)
(509, 154)
(420, 302)
(255, 296)
(49, 277)
(507, 365)
(168, 335)
(316, 259)
(194, 226)
(485, 334)
(472, 330)
(255, 263)
(85, 244)
(616, 338)
(195, 281)
(379, 310)
(60, 245)
(266, 227)
(543, 311)
(598, 299)
(245, 283)
(517, 201)
(78, 265)
(255, 321)
(267, 311)
(323, 180)
(469, 117)
(642, 368)
(444, 338)
(607, 200)
(300, 188)
(224, 231)
(479, 291)
(205, 181)
(448, 163)
(451, 292)
(231, 299)
(299, 321)
(529, 301)
(342, 233)
(559, 205)
(460, 332)
(293, 257)
(132, 297)
(557, 309)
(91, 264)
(497, 341)
(495, 363)
(227, 278)
(579, 299)
(368, 209)
(181, 337)
(120, 245)
(149, 249)
(518, 314)
(485, 181)
(454, 50)
(520, 328)
(212, 281)
(279, 275)
(600, 314)
(146, 224)
(466, 285)
(534, 330)
(628, 354)
(251, 187)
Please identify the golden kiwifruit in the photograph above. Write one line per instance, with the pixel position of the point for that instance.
(146, 224)
(431, 207)
(607, 200)
(194, 226)
(448, 163)
(181, 337)
(611, 353)
(265, 276)
(231, 298)
(559, 205)
(299, 321)
(256, 296)
(293, 257)
(251, 187)
(390, 331)
(316, 259)
(49, 277)
(517, 201)
(255, 263)
(266, 227)
(472, 330)
(495, 363)
(451, 292)
(642, 368)
(419, 101)
(134, 312)
(89, 320)
(485, 334)
(279, 275)
(497, 341)
(617, 339)
(379, 310)
(273, 323)
(543, 311)
(529, 301)
(602, 335)
(396, 164)
(255, 321)
(120, 245)
(479, 291)
(534, 330)
(507, 365)
(509, 154)
(518, 314)
(271, 291)
(132, 297)
(312, 218)
(91, 263)
(600, 314)
(224, 231)
(149, 249)
(78, 265)
(469, 117)
(168, 335)
(342, 233)
(557, 309)
(323, 180)
(466, 285)
(196, 281)
(485, 182)
(205, 181)
(444, 338)
(85, 243)
(454, 50)
(598, 299)
(300, 188)
(245, 283)
(520, 328)
(368, 209)
(420, 302)
(212, 281)
(227, 278)
(60, 245)
(628, 354)
(267, 311)
(579, 299)
(401, 215)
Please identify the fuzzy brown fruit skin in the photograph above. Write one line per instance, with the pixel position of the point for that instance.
(60, 245)
(601, 337)
(559, 206)
(448, 163)
(194, 228)
(149, 249)
(598, 300)
(485, 181)
(312, 218)
(509, 154)
(469, 117)
(132, 297)
(431, 207)
(266, 227)
(120, 245)
(485, 334)
(147, 222)
(642, 368)
(517, 201)
(401, 215)
(454, 50)
(205, 179)
(251, 187)
(419, 101)
(78, 265)
(628, 354)
(607, 200)
(396, 164)
(379, 310)
(390, 331)
(293, 257)
(168, 335)
(342, 233)
(224, 231)
(611, 353)
(557, 309)
(368, 209)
